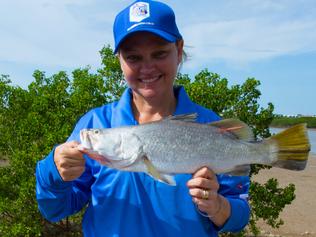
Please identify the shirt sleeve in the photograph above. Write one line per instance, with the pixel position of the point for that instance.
(235, 189)
(56, 198)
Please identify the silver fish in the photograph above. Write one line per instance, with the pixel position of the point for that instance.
(177, 144)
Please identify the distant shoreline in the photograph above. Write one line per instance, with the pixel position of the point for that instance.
(284, 121)
(288, 126)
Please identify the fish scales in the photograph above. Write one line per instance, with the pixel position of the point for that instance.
(187, 146)
(174, 145)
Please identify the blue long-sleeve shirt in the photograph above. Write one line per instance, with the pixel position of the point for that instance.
(134, 204)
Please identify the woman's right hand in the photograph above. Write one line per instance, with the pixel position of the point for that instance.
(69, 160)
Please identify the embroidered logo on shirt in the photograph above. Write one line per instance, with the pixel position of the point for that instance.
(139, 11)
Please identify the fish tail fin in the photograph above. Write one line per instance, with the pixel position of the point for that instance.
(293, 148)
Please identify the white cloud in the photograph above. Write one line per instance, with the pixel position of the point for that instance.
(70, 33)
(248, 40)
(50, 33)
(242, 32)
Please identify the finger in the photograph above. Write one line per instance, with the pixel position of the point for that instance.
(76, 170)
(202, 183)
(71, 173)
(203, 194)
(72, 161)
(82, 148)
(203, 205)
(73, 144)
(199, 193)
(209, 206)
(196, 192)
(201, 202)
(70, 150)
(204, 172)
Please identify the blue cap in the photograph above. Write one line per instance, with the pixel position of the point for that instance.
(150, 16)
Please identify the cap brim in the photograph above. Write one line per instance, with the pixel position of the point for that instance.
(162, 34)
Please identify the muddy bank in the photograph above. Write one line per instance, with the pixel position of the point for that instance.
(299, 217)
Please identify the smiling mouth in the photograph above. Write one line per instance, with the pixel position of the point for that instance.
(150, 80)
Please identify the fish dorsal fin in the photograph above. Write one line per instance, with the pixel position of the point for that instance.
(235, 127)
(183, 117)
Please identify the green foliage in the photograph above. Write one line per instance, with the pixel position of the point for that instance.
(241, 101)
(115, 83)
(35, 119)
(237, 101)
(268, 201)
(32, 122)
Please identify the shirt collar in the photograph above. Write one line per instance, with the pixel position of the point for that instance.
(184, 103)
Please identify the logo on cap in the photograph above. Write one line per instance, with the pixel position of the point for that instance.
(139, 11)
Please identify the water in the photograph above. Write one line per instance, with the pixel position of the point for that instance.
(311, 135)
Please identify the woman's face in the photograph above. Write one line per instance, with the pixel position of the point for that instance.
(150, 63)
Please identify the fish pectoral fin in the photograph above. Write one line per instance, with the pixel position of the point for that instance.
(183, 117)
(235, 127)
(152, 171)
(240, 170)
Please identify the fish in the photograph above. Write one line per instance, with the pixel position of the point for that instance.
(178, 144)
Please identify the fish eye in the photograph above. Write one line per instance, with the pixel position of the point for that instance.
(96, 131)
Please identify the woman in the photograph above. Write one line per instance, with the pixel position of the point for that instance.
(150, 50)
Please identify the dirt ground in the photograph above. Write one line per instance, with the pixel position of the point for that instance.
(300, 216)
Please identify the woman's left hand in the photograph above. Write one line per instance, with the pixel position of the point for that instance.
(203, 187)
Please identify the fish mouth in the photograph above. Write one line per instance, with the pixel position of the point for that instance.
(85, 139)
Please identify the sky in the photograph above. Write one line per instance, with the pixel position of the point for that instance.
(272, 41)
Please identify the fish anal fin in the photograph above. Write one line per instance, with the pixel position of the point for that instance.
(164, 178)
(235, 127)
